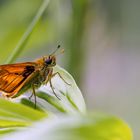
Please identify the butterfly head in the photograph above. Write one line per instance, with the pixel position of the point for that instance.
(50, 60)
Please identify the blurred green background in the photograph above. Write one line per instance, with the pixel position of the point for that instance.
(101, 42)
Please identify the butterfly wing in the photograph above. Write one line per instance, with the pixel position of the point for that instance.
(14, 76)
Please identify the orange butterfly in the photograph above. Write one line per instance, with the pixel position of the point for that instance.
(17, 78)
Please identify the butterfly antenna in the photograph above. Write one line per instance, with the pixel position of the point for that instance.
(62, 51)
(55, 50)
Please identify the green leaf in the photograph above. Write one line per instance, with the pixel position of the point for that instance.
(77, 127)
(71, 99)
(13, 123)
(96, 128)
(7, 130)
(13, 114)
(30, 103)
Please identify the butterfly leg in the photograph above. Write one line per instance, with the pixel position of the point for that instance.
(53, 88)
(31, 96)
(57, 73)
(33, 93)
(48, 79)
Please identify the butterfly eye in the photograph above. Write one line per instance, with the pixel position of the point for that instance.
(48, 61)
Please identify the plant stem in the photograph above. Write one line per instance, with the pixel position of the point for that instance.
(22, 42)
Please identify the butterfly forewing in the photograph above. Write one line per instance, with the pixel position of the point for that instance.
(13, 76)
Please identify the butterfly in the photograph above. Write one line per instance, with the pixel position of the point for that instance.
(16, 79)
